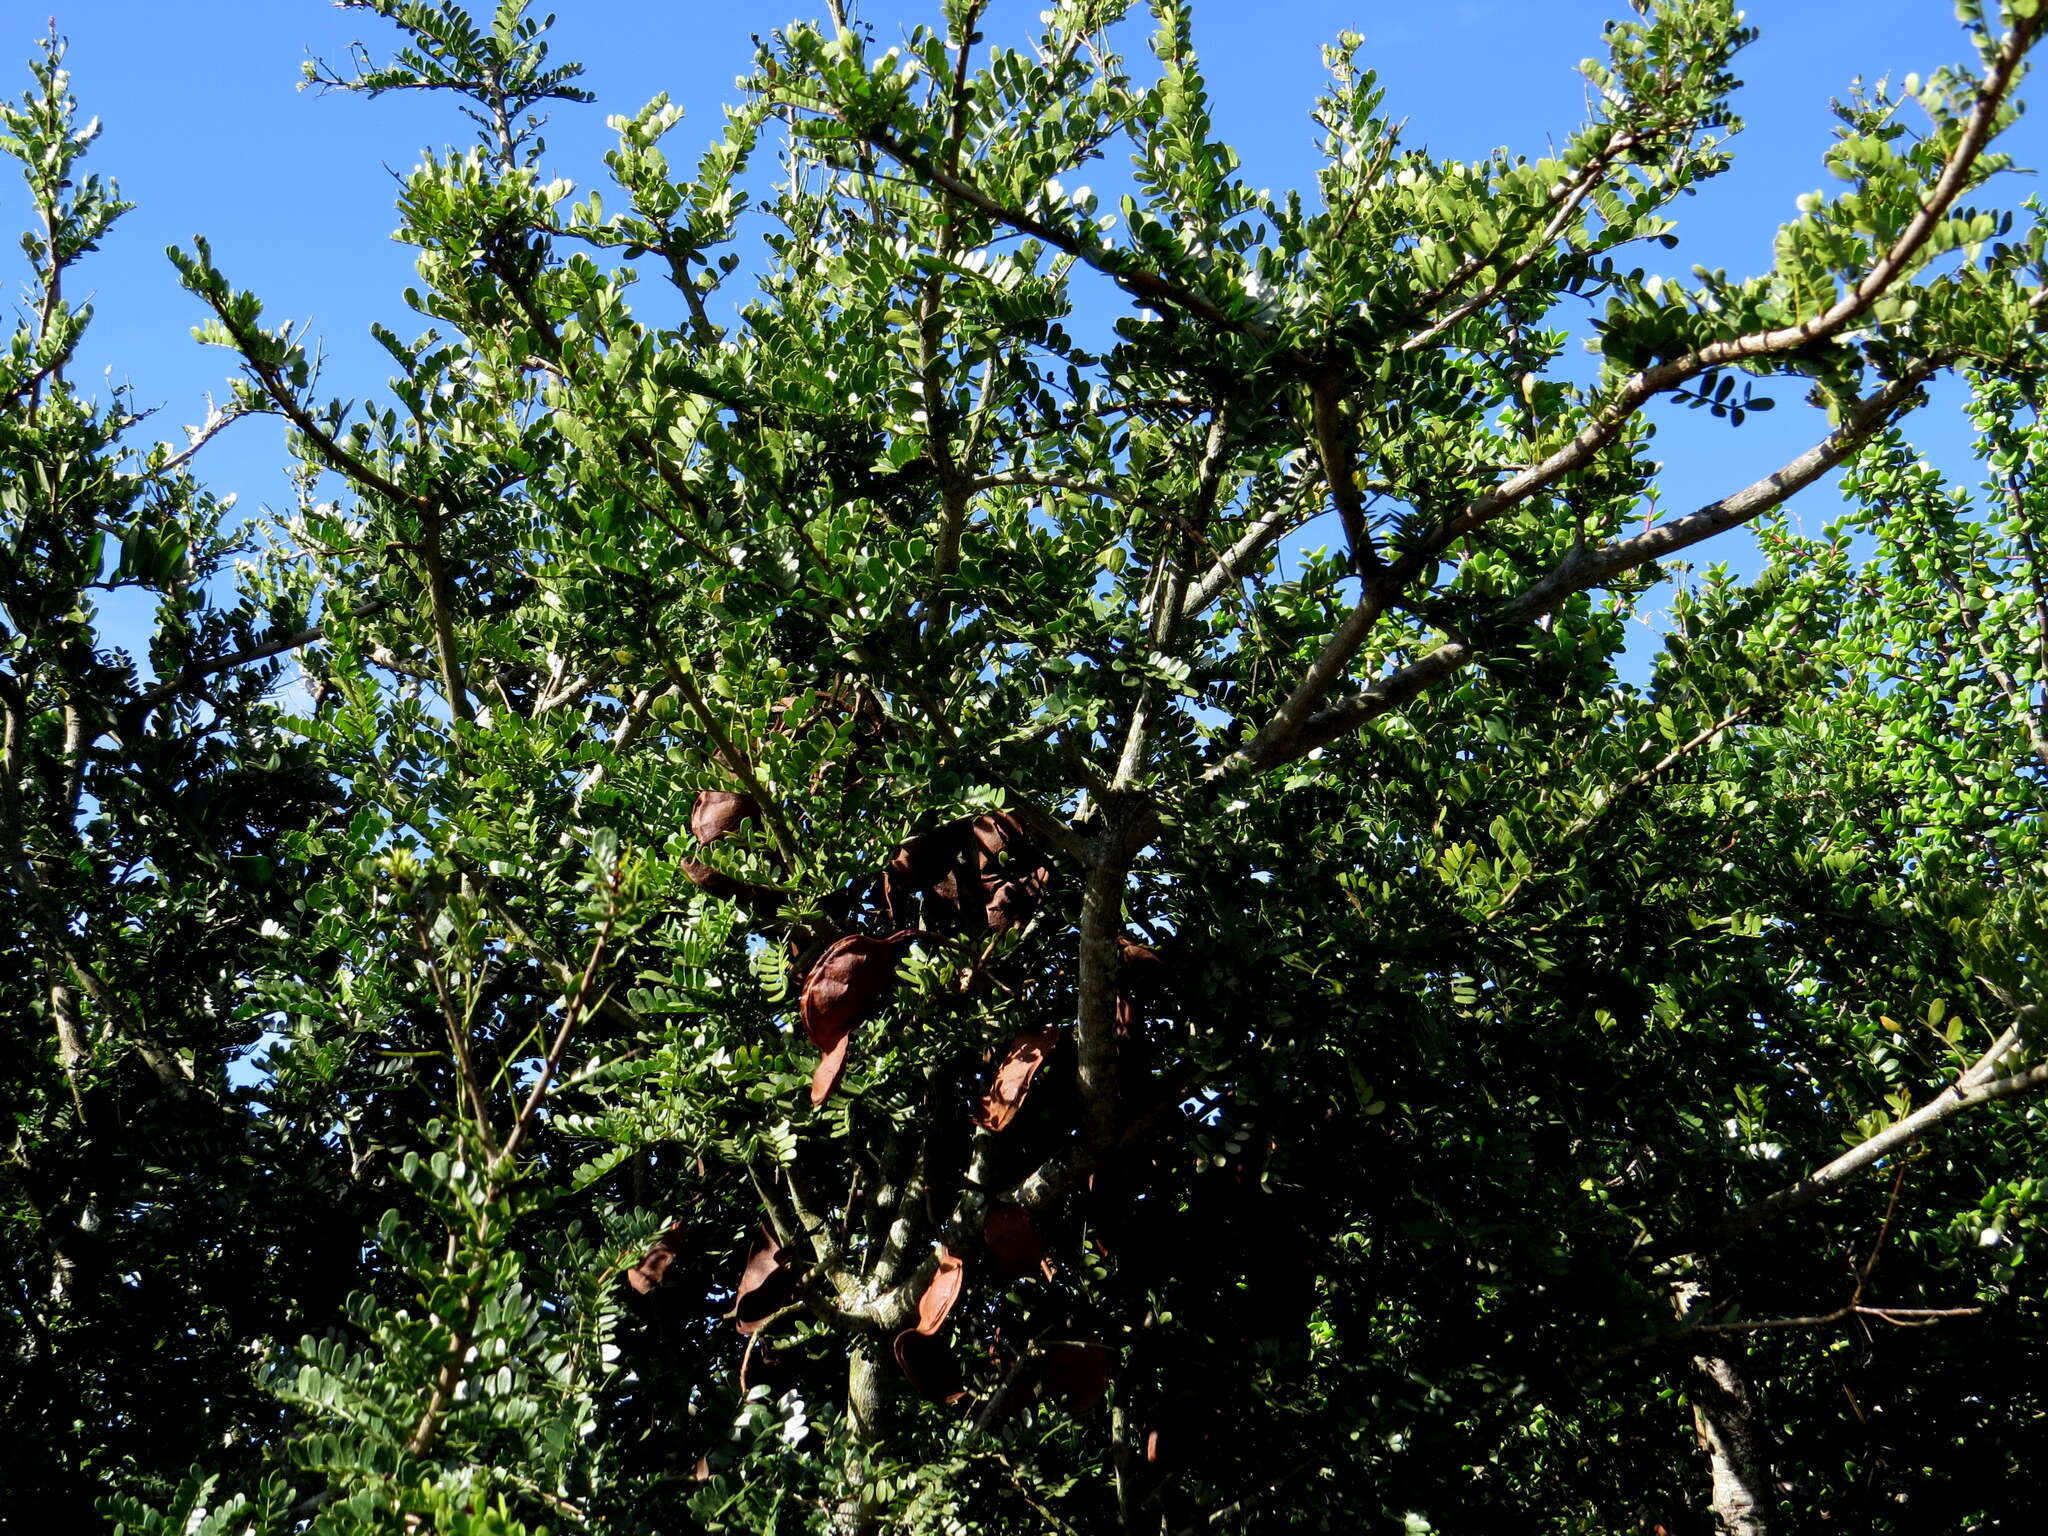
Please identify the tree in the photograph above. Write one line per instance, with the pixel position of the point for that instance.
(152, 1224)
(854, 829)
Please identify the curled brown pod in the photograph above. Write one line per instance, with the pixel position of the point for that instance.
(1012, 1080)
(761, 900)
(646, 1276)
(976, 873)
(1077, 1372)
(830, 1069)
(765, 1284)
(1013, 1240)
(931, 1365)
(842, 987)
(941, 1292)
(845, 982)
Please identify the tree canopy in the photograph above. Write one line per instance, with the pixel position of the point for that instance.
(805, 892)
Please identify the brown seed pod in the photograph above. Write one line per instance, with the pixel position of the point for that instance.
(845, 982)
(931, 1365)
(761, 900)
(719, 814)
(1013, 1240)
(1077, 1372)
(1011, 870)
(1013, 1075)
(645, 1277)
(980, 872)
(934, 1306)
(765, 1285)
(1140, 971)
(842, 987)
(830, 1069)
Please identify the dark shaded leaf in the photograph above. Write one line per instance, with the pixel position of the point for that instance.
(931, 1366)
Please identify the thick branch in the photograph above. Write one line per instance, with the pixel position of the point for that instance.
(1102, 917)
(1294, 731)
(1259, 536)
(1890, 268)
(1977, 1086)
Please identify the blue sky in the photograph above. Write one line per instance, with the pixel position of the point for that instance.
(207, 132)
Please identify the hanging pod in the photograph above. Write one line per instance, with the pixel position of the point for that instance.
(843, 986)
(1013, 1076)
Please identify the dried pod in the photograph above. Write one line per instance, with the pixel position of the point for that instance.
(1013, 1075)
(765, 1285)
(979, 872)
(713, 882)
(841, 988)
(936, 1303)
(844, 983)
(1011, 870)
(1140, 971)
(830, 1069)
(1140, 980)
(645, 1277)
(1077, 1372)
(719, 814)
(928, 858)
(931, 1365)
(1013, 1240)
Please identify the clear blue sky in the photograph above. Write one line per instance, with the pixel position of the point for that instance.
(207, 132)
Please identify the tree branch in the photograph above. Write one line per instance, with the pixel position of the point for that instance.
(1641, 387)
(1295, 731)
(1979, 1085)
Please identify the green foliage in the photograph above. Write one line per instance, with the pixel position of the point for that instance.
(149, 807)
(1360, 1059)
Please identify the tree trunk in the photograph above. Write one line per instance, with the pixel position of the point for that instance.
(73, 1049)
(1725, 1415)
(859, 1514)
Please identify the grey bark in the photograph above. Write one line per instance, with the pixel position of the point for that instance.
(1730, 1430)
(859, 1514)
